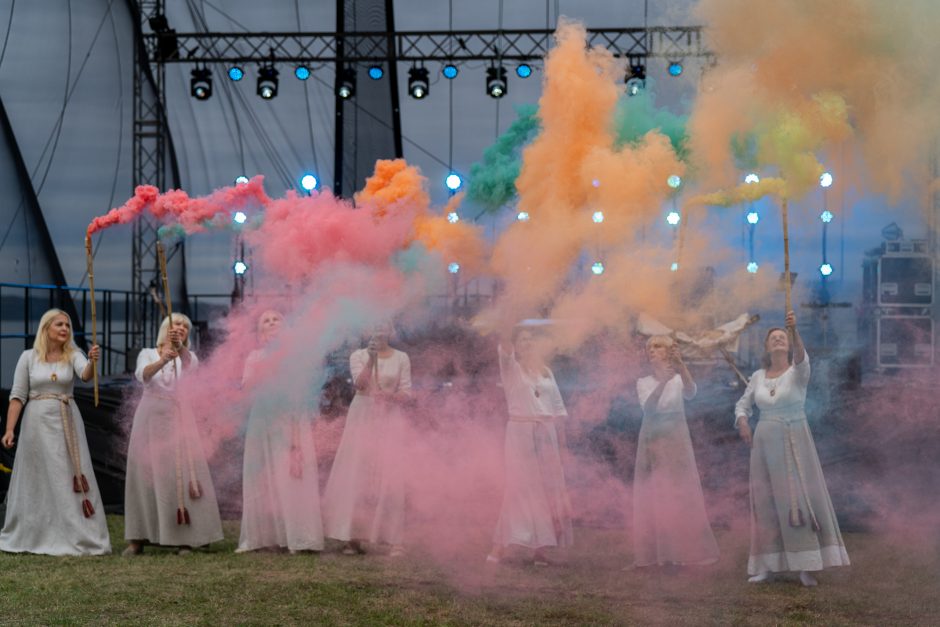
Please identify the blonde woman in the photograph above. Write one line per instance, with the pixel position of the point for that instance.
(280, 484)
(169, 498)
(793, 525)
(53, 504)
(365, 495)
(670, 525)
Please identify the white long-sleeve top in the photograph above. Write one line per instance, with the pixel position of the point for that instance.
(164, 379)
(782, 395)
(529, 395)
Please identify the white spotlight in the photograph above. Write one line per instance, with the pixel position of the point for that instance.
(598, 217)
(239, 217)
(673, 218)
(825, 179)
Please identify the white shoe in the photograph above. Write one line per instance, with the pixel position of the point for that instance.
(807, 580)
(761, 578)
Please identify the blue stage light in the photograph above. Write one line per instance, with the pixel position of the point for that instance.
(453, 181)
(236, 73)
(450, 71)
(523, 70)
(376, 72)
(302, 72)
(675, 69)
(309, 182)
(826, 216)
(453, 267)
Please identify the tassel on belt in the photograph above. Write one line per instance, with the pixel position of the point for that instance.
(79, 482)
(182, 448)
(793, 460)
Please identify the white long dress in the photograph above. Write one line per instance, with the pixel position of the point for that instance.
(793, 524)
(365, 496)
(280, 484)
(167, 471)
(536, 511)
(44, 510)
(670, 524)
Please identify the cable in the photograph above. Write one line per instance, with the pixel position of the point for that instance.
(6, 37)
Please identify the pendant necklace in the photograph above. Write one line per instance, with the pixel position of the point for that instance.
(55, 368)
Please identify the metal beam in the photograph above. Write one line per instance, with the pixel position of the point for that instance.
(667, 42)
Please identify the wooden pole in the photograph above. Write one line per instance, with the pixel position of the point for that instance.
(786, 256)
(161, 256)
(94, 314)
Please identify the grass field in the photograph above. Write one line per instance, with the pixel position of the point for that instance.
(886, 585)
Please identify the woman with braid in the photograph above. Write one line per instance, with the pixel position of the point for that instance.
(53, 504)
(169, 498)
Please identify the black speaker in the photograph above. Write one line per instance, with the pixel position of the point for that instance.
(904, 341)
(905, 280)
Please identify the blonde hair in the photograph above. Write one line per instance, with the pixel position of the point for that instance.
(659, 340)
(165, 328)
(41, 344)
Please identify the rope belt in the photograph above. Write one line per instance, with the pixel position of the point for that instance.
(793, 460)
(79, 482)
(182, 449)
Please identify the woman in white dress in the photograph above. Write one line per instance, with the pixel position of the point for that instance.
(169, 498)
(366, 492)
(280, 484)
(793, 524)
(536, 512)
(53, 504)
(670, 525)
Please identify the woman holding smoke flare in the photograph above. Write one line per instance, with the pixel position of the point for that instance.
(53, 503)
(670, 524)
(169, 498)
(366, 492)
(535, 513)
(280, 484)
(793, 524)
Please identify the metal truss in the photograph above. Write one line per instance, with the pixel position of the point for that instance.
(667, 42)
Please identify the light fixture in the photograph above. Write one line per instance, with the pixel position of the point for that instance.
(597, 268)
(496, 85)
(751, 178)
(826, 216)
(267, 82)
(673, 218)
(675, 68)
(240, 268)
(752, 217)
(200, 83)
(235, 73)
(453, 182)
(635, 78)
(825, 179)
(241, 180)
(453, 218)
(239, 217)
(598, 217)
(752, 267)
(825, 269)
(674, 181)
(523, 70)
(309, 182)
(522, 216)
(674, 267)
(302, 72)
(453, 267)
(450, 71)
(418, 85)
(346, 83)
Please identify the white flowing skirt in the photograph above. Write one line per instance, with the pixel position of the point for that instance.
(365, 496)
(44, 513)
(536, 511)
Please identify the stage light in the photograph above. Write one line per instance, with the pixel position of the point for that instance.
(200, 83)
(598, 217)
(826, 216)
(302, 72)
(453, 218)
(673, 218)
(267, 82)
(825, 179)
(596, 183)
(240, 268)
(239, 217)
(450, 71)
(376, 72)
(597, 268)
(753, 217)
(635, 78)
(453, 267)
(241, 180)
(674, 267)
(309, 182)
(496, 85)
(752, 267)
(346, 83)
(235, 73)
(418, 86)
(453, 182)
(825, 269)
(522, 216)
(674, 181)
(523, 70)
(751, 178)
(675, 68)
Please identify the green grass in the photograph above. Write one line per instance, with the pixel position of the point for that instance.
(887, 585)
